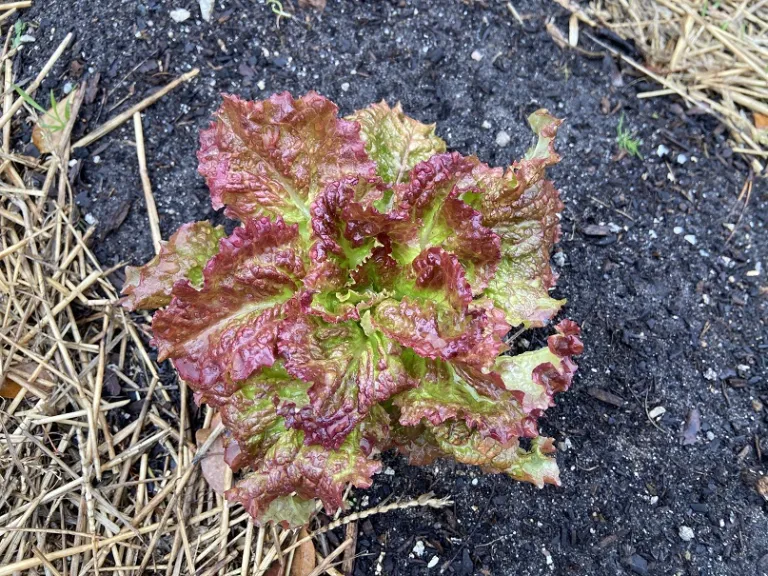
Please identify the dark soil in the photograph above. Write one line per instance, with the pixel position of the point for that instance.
(673, 306)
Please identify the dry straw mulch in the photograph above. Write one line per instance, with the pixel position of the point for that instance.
(711, 53)
(90, 484)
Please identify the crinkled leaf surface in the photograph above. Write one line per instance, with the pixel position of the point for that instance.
(351, 369)
(438, 318)
(223, 332)
(291, 467)
(182, 257)
(363, 302)
(274, 156)
(431, 213)
(503, 403)
(395, 141)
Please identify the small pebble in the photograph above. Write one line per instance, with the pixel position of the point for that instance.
(389, 471)
(638, 565)
(96, 159)
(90, 219)
(477, 56)
(710, 374)
(686, 533)
(710, 435)
(261, 84)
(344, 86)
(67, 87)
(548, 558)
(682, 159)
(691, 239)
(757, 406)
(474, 481)
(486, 125)
(677, 230)
(433, 562)
(502, 139)
(418, 549)
(657, 412)
(179, 14)
(662, 150)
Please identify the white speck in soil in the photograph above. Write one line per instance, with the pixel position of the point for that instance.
(657, 412)
(710, 435)
(486, 125)
(662, 150)
(691, 239)
(90, 219)
(96, 159)
(206, 9)
(548, 558)
(474, 481)
(261, 85)
(682, 158)
(389, 471)
(710, 374)
(344, 86)
(67, 87)
(477, 56)
(677, 230)
(502, 139)
(559, 258)
(180, 14)
(418, 548)
(433, 562)
(686, 533)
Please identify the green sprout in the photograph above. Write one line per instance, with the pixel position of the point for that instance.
(277, 9)
(18, 30)
(59, 122)
(627, 140)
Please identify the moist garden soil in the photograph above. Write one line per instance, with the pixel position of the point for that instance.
(662, 266)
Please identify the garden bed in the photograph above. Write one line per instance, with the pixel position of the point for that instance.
(663, 260)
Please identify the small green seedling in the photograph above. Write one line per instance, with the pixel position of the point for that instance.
(59, 123)
(18, 31)
(277, 9)
(626, 139)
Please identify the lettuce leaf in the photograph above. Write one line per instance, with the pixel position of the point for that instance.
(394, 141)
(363, 301)
(350, 368)
(182, 257)
(273, 157)
(220, 334)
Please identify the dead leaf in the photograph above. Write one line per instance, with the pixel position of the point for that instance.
(605, 396)
(47, 132)
(761, 121)
(762, 487)
(691, 427)
(316, 4)
(9, 388)
(10, 385)
(214, 468)
(304, 559)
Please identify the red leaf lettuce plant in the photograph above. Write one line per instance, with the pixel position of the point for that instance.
(363, 301)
